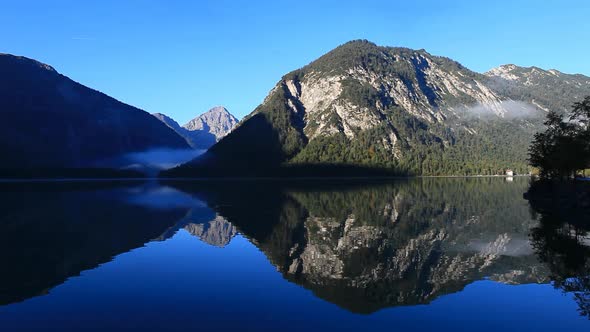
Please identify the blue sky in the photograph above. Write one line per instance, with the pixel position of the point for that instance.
(183, 57)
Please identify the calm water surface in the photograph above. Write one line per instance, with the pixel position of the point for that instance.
(404, 255)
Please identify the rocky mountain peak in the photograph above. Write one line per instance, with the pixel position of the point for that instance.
(399, 108)
(528, 74)
(217, 121)
(206, 129)
(503, 71)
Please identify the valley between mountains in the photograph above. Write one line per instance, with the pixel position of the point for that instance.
(360, 109)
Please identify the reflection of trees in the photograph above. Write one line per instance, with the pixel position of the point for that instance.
(563, 247)
(409, 242)
(366, 246)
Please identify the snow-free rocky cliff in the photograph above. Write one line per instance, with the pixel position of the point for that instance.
(204, 130)
(217, 121)
(401, 109)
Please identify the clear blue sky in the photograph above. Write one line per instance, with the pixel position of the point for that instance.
(183, 57)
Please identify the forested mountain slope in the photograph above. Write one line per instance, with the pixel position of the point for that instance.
(397, 109)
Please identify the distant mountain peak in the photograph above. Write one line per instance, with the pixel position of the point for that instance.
(503, 71)
(204, 130)
(541, 81)
(217, 121)
(514, 72)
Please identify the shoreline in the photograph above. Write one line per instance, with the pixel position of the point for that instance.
(247, 178)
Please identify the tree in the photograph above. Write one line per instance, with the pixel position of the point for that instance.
(563, 149)
(581, 113)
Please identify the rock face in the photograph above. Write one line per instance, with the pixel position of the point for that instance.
(401, 109)
(50, 121)
(217, 121)
(544, 89)
(206, 129)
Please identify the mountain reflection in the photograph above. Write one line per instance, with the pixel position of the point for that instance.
(209, 228)
(52, 231)
(369, 246)
(361, 245)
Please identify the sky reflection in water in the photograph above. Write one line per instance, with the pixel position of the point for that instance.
(417, 255)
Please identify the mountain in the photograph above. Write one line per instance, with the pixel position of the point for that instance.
(50, 121)
(206, 129)
(545, 89)
(217, 121)
(170, 123)
(397, 109)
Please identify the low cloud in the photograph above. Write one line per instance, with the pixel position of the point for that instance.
(508, 109)
(162, 158)
(151, 161)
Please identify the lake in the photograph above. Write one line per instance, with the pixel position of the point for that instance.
(448, 254)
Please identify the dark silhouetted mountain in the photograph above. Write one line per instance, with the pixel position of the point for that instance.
(170, 123)
(393, 108)
(50, 121)
(206, 129)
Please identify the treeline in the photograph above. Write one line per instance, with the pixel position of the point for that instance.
(429, 149)
(563, 149)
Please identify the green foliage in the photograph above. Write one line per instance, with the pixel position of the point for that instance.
(339, 149)
(424, 147)
(563, 148)
(429, 149)
(438, 136)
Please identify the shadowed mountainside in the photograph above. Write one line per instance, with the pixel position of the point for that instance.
(50, 121)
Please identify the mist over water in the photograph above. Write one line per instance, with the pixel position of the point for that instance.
(162, 158)
(151, 161)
